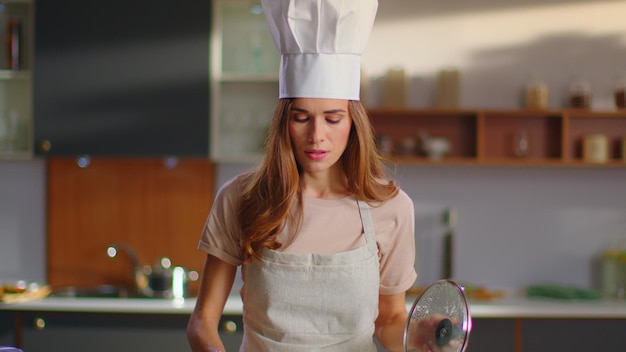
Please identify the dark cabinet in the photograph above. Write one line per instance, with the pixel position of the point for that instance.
(547, 334)
(541, 335)
(492, 335)
(122, 78)
(94, 332)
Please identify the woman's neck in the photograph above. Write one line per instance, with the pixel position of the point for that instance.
(325, 185)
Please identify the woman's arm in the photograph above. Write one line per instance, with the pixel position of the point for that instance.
(202, 329)
(392, 316)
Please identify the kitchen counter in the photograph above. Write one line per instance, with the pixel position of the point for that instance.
(522, 307)
(507, 307)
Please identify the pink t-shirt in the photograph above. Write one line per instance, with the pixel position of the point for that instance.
(328, 226)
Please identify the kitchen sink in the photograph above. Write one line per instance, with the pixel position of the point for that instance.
(101, 291)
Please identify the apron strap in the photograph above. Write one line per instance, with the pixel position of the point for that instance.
(368, 226)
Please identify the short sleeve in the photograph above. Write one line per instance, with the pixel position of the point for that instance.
(394, 222)
(221, 235)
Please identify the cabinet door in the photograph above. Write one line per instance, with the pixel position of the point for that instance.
(80, 332)
(15, 78)
(7, 329)
(44, 332)
(122, 77)
(547, 335)
(244, 92)
(492, 335)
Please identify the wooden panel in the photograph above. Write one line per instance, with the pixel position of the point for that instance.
(158, 209)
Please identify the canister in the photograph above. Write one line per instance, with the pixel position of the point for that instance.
(596, 148)
(536, 95)
(448, 88)
(395, 88)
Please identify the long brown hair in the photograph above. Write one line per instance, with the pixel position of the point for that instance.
(269, 192)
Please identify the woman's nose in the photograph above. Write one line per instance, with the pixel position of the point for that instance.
(317, 133)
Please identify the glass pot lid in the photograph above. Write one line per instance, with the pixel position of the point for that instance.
(439, 320)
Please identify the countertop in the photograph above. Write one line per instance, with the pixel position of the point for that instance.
(505, 307)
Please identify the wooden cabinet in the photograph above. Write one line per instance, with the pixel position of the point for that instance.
(122, 78)
(477, 137)
(16, 77)
(244, 71)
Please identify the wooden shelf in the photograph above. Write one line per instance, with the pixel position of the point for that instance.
(488, 137)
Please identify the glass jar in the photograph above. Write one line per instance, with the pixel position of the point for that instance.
(579, 94)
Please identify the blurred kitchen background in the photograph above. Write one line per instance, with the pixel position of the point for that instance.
(516, 225)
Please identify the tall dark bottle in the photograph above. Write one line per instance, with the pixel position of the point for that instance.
(449, 222)
(14, 43)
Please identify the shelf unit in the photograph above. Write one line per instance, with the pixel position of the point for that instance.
(487, 137)
(244, 86)
(16, 84)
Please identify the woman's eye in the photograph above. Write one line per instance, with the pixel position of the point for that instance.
(334, 119)
(300, 118)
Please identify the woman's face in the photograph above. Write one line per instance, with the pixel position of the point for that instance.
(319, 130)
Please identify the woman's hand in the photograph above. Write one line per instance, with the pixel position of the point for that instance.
(433, 333)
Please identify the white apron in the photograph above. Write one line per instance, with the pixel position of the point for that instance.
(313, 302)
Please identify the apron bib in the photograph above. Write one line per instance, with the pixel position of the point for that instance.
(313, 302)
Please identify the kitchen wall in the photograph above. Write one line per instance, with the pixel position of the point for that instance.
(516, 225)
(498, 45)
(22, 220)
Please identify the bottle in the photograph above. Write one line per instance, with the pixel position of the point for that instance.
(449, 221)
(520, 144)
(621, 274)
(14, 43)
(610, 272)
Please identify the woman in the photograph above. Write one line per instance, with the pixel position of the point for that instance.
(324, 238)
(321, 158)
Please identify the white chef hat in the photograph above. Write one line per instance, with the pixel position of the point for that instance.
(320, 42)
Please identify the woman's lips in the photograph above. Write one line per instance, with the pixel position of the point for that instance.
(316, 154)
